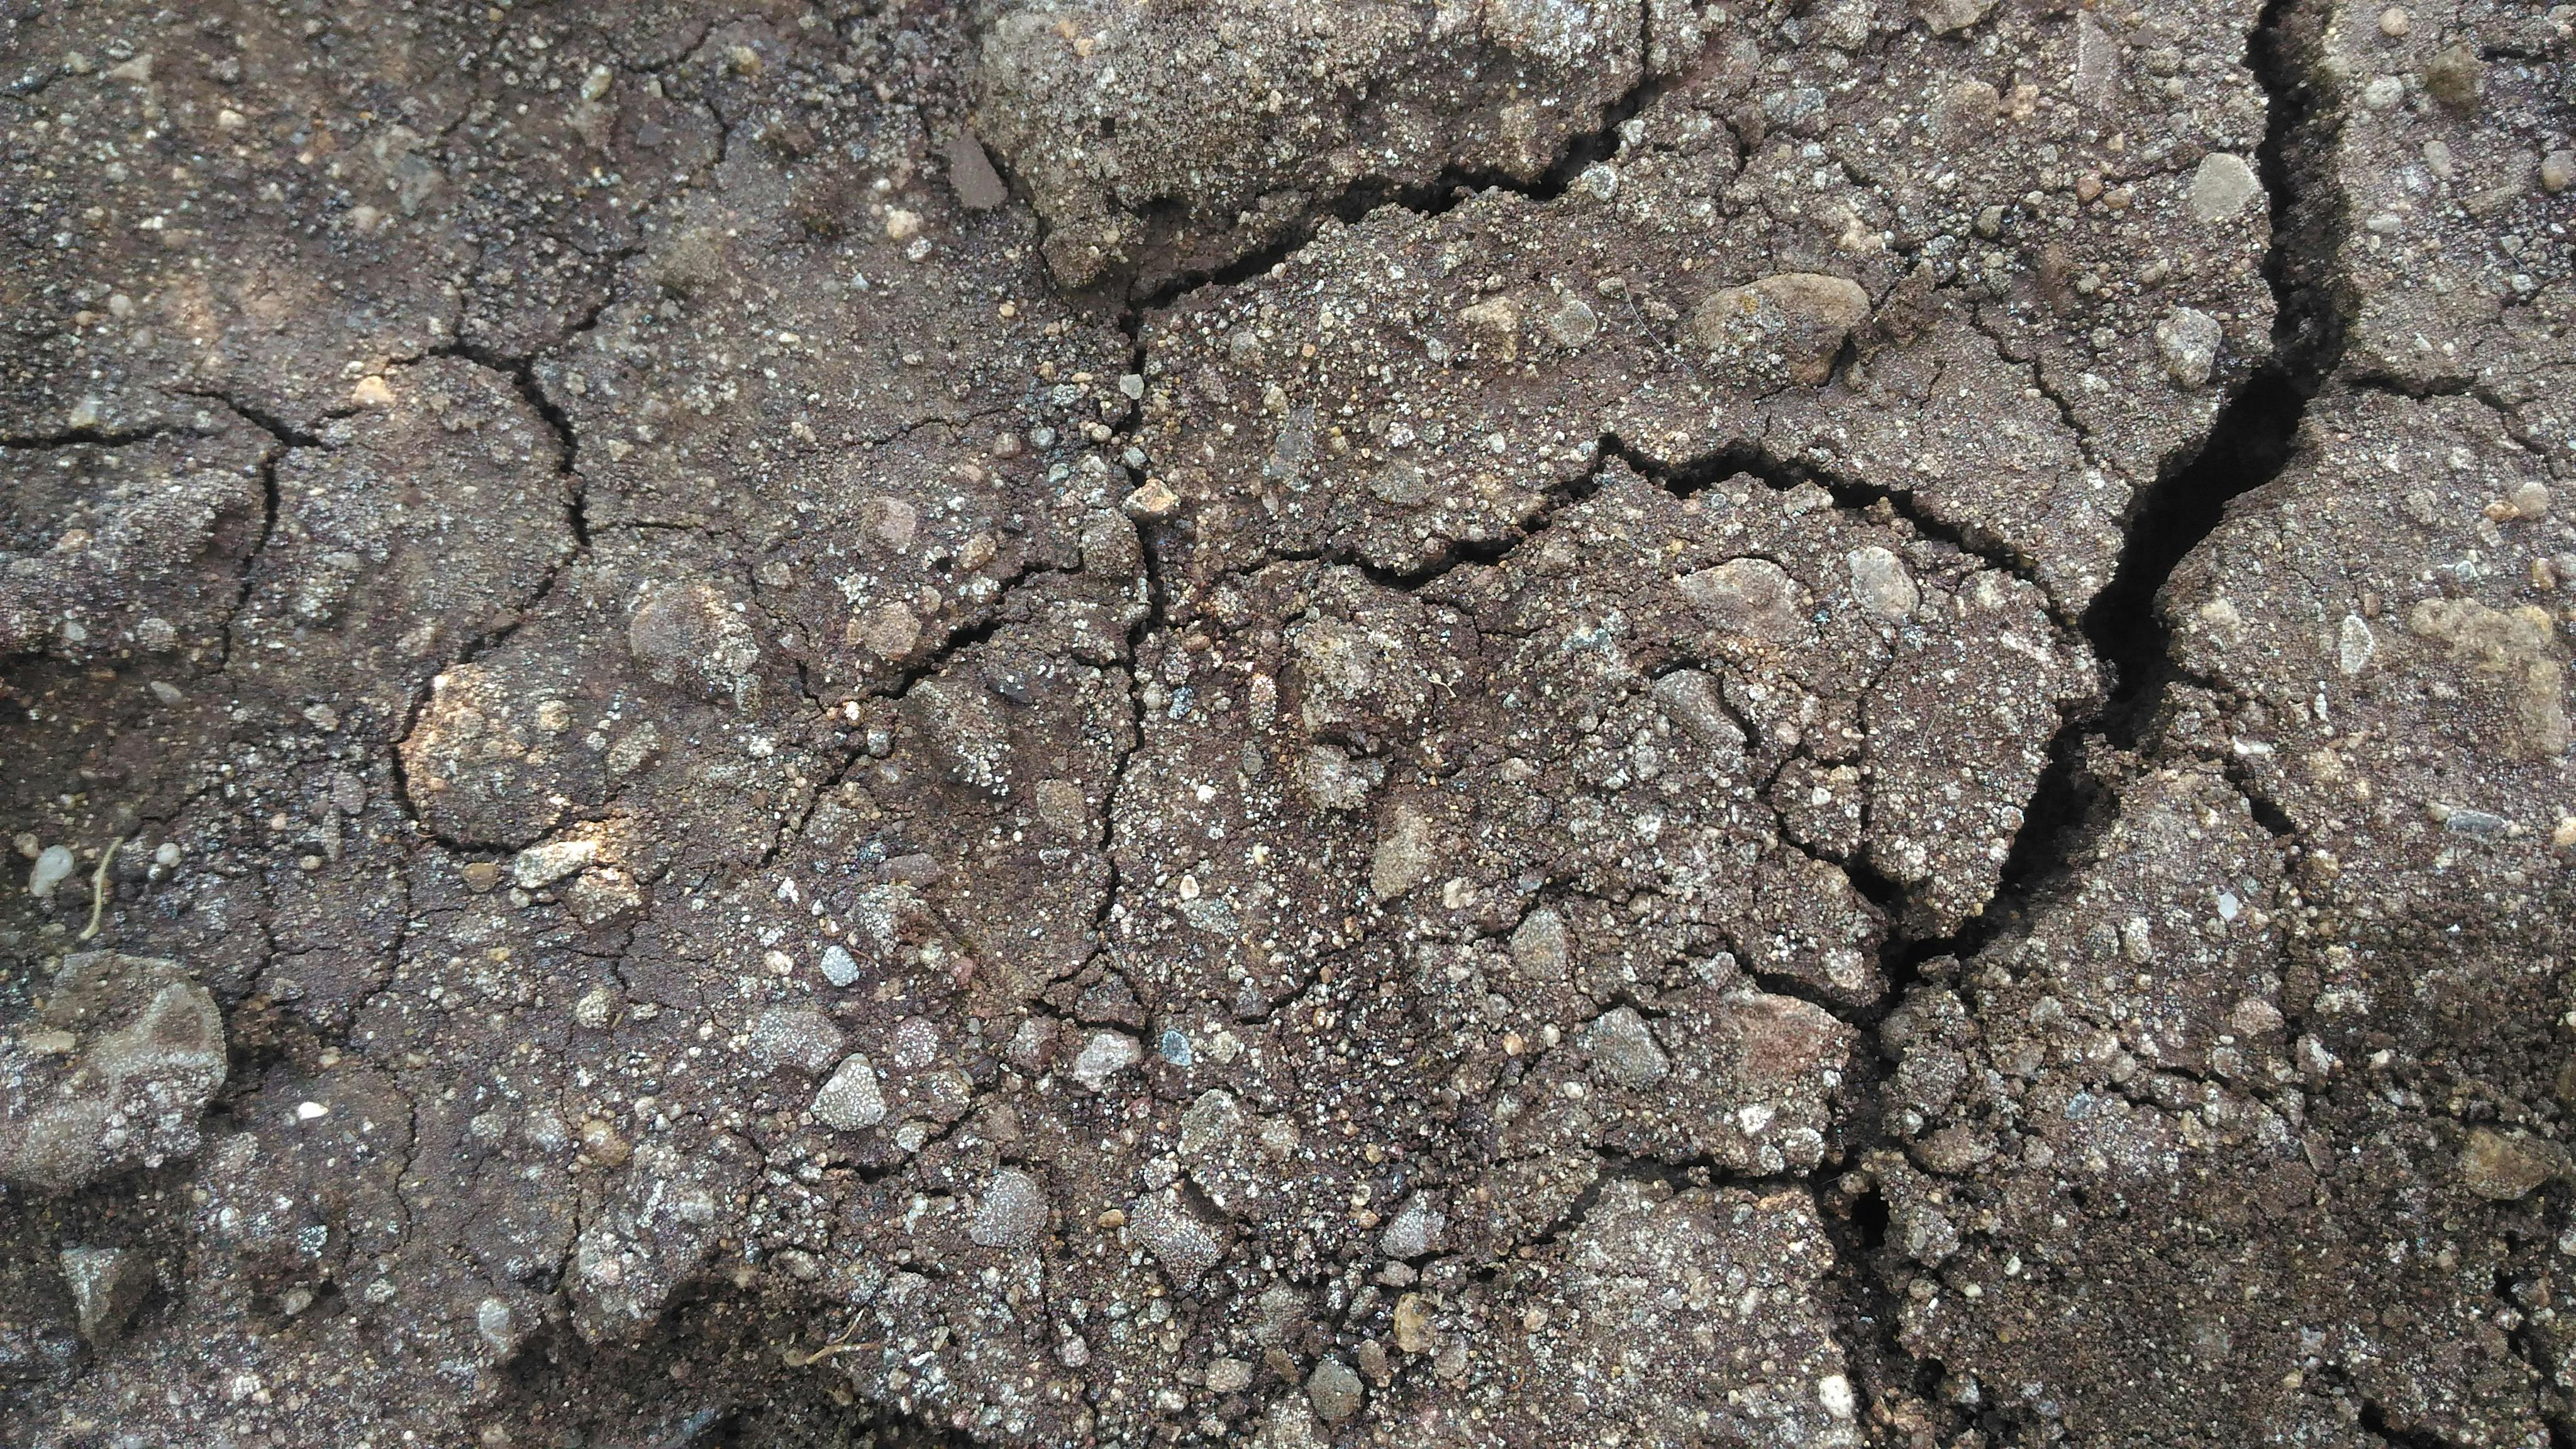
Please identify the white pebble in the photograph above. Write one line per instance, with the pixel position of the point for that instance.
(52, 868)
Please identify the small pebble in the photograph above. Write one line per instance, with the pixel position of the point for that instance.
(54, 865)
(2557, 171)
(2355, 645)
(1013, 1213)
(2505, 1166)
(2221, 187)
(539, 866)
(1881, 583)
(1151, 503)
(1795, 322)
(1413, 1323)
(2477, 825)
(1228, 1376)
(1571, 322)
(1104, 1056)
(596, 1009)
(797, 1037)
(2395, 23)
(851, 1100)
(2188, 340)
(601, 1143)
(1182, 1244)
(107, 1285)
(1416, 1230)
(2455, 77)
(971, 175)
(1623, 1051)
(1335, 1391)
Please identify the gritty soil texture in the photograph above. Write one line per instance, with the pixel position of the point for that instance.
(1288, 722)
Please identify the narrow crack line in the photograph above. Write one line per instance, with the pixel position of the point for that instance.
(283, 439)
(271, 499)
(1700, 1173)
(965, 635)
(521, 374)
(958, 640)
(1455, 553)
(1453, 185)
(1155, 618)
(1704, 469)
(264, 420)
(2039, 382)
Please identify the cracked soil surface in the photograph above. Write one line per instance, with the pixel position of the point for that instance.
(1290, 722)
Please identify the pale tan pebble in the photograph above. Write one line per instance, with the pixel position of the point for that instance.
(1151, 503)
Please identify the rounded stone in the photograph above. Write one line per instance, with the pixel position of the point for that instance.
(2221, 187)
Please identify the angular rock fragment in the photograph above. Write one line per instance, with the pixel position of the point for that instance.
(145, 1052)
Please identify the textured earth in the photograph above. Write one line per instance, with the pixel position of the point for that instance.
(1287, 722)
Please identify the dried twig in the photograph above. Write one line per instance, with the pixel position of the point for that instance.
(98, 887)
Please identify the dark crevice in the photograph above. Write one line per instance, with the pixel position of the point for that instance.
(2248, 444)
(1840, 1008)
(2257, 427)
(2266, 812)
(1866, 1316)
(2374, 1420)
(2251, 440)
(2060, 801)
